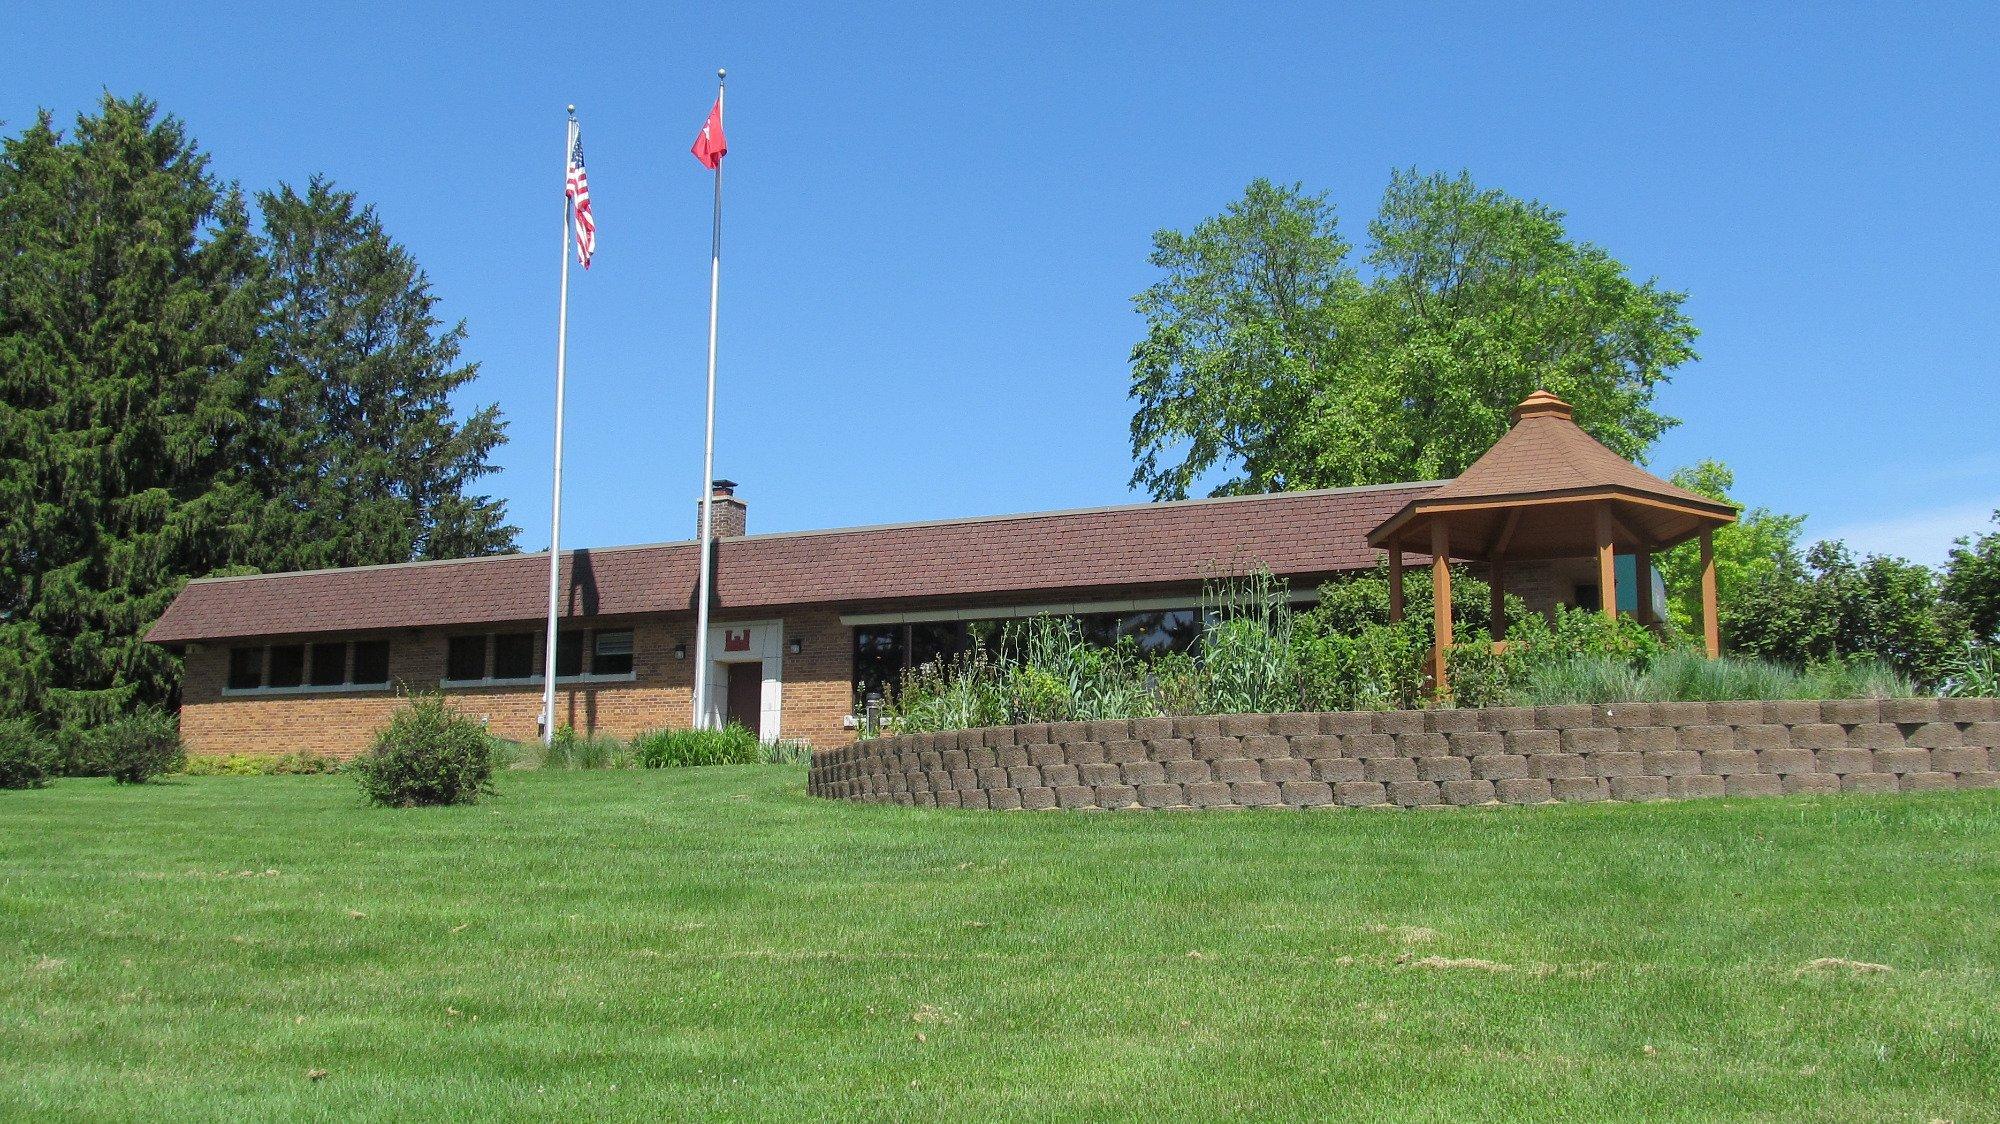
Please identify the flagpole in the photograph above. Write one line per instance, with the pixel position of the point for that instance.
(708, 447)
(555, 504)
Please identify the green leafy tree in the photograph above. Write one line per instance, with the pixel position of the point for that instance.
(130, 367)
(363, 459)
(1972, 582)
(1747, 552)
(1828, 605)
(1269, 357)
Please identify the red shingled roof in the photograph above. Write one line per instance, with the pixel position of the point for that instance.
(1300, 535)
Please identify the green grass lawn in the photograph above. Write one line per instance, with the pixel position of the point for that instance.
(714, 943)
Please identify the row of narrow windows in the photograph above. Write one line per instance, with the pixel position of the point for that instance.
(469, 658)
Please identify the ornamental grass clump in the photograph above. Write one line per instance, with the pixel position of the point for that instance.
(430, 754)
(684, 749)
(571, 750)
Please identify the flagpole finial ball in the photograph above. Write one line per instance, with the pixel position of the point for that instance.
(721, 73)
(572, 109)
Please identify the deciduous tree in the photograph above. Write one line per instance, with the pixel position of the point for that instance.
(1270, 359)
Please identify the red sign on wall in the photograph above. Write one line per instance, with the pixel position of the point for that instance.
(734, 641)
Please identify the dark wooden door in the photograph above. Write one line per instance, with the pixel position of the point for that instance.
(746, 693)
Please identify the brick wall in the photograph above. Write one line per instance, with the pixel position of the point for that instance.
(1637, 751)
(817, 693)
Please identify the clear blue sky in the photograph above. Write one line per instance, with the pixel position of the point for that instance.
(936, 217)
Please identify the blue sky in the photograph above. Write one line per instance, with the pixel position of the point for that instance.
(936, 217)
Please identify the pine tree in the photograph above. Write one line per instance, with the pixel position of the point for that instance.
(130, 366)
(364, 459)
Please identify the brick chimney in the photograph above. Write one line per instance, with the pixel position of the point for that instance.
(730, 515)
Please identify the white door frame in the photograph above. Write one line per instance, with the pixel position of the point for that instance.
(765, 645)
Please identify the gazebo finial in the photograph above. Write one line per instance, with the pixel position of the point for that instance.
(1541, 404)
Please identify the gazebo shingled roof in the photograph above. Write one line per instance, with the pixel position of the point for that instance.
(1515, 501)
(1545, 490)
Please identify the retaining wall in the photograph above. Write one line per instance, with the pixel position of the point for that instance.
(1631, 751)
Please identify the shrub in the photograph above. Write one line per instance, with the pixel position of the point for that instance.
(1379, 668)
(139, 747)
(26, 758)
(1974, 673)
(681, 749)
(430, 753)
(302, 763)
(1478, 675)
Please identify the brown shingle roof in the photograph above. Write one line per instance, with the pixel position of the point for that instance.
(1518, 492)
(1546, 451)
(1301, 535)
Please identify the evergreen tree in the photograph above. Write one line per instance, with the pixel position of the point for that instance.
(364, 460)
(130, 364)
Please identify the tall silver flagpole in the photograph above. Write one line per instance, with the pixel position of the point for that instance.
(708, 447)
(555, 504)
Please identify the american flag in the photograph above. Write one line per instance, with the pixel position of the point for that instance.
(577, 188)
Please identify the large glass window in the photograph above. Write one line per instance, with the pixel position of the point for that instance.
(1162, 630)
(882, 652)
(246, 668)
(878, 660)
(613, 655)
(286, 666)
(465, 658)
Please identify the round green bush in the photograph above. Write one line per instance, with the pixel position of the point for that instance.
(430, 753)
(139, 747)
(26, 758)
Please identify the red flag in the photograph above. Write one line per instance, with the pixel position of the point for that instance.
(711, 145)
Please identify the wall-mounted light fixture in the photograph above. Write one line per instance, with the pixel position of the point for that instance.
(796, 646)
(680, 651)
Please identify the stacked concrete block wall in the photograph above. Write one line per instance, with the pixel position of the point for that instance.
(1405, 759)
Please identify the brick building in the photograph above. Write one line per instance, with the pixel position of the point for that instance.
(805, 625)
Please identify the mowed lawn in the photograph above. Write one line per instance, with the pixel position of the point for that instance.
(712, 943)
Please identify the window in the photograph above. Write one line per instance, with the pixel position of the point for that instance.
(1588, 597)
(514, 655)
(286, 666)
(882, 652)
(329, 664)
(569, 654)
(1165, 630)
(246, 668)
(878, 660)
(321, 665)
(371, 663)
(613, 655)
(465, 658)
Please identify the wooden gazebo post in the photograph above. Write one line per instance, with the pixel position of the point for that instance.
(1395, 584)
(1711, 627)
(1441, 599)
(1607, 564)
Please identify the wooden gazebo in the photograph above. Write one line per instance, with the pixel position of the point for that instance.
(1549, 490)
